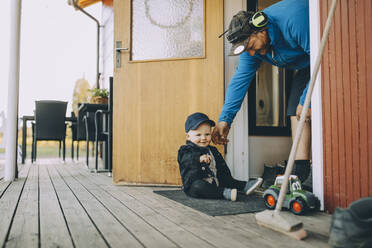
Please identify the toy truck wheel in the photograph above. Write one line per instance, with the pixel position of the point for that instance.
(298, 206)
(270, 201)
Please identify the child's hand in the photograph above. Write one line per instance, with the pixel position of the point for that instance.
(205, 158)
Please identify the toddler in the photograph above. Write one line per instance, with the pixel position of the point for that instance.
(203, 170)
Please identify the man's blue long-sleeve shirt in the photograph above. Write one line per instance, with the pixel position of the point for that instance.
(288, 29)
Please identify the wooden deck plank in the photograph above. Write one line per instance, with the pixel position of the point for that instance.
(316, 224)
(174, 232)
(53, 228)
(1, 171)
(317, 238)
(314, 239)
(115, 234)
(25, 228)
(317, 227)
(9, 202)
(83, 231)
(201, 225)
(99, 214)
(147, 234)
(3, 186)
(252, 236)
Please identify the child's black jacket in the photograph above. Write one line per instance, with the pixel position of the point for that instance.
(191, 169)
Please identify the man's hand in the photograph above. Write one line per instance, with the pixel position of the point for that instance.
(205, 158)
(220, 132)
(299, 110)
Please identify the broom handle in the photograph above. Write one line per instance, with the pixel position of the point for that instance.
(301, 123)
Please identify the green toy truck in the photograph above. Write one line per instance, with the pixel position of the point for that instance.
(297, 200)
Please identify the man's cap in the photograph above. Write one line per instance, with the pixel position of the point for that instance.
(241, 26)
(194, 120)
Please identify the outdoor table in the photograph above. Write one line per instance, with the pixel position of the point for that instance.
(86, 108)
(25, 119)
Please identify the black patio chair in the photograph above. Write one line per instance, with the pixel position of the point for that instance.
(103, 128)
(49, 124)
(78, 133)
(88, 127)
(73, 128)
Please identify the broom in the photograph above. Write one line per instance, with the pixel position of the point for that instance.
(285, 222)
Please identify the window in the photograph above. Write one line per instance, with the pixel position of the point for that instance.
(176, 28)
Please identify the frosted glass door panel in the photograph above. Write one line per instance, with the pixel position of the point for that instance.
(163, 29)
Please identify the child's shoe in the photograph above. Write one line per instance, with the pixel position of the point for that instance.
(252, 184)
(230, 194)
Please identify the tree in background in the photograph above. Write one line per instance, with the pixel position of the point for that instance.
(81, 93)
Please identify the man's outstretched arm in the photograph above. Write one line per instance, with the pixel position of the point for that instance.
(237, 88)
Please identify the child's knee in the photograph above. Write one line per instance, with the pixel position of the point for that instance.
(197, 188)
(198, 185)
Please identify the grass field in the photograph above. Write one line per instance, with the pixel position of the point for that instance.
(49, 149)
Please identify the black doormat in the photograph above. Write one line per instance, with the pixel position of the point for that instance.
(217, 207)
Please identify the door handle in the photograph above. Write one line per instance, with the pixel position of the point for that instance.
(118, 51)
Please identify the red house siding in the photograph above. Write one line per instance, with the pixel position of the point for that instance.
(347, 103)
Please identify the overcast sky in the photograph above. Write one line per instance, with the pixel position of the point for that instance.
(58, 47)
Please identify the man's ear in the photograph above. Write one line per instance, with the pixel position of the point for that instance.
(187, 136)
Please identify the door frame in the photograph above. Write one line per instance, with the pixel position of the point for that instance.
(316, 105)
(237, 152)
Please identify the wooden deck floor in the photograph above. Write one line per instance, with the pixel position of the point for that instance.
(64, 205)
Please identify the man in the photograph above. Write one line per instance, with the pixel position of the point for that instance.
(280, 36)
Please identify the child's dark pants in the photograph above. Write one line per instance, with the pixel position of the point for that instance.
(203, 189)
